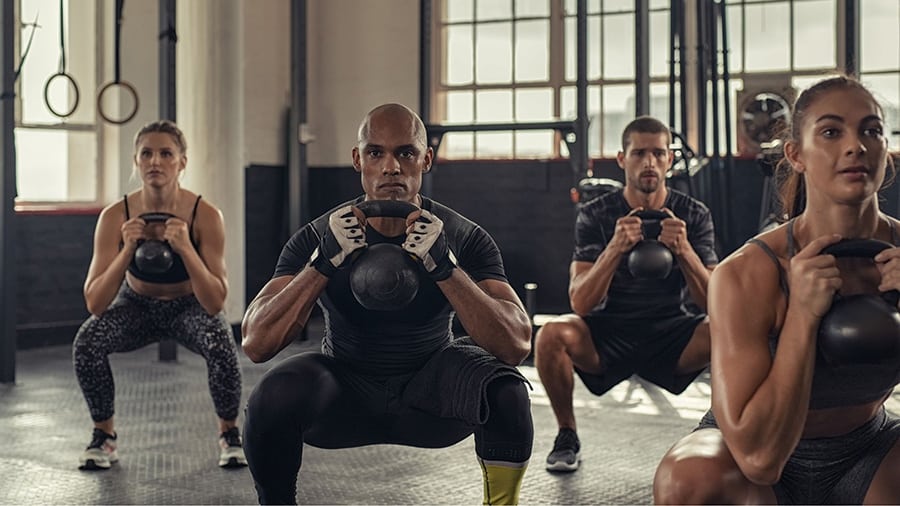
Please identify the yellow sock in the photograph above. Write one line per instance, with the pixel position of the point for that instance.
(502, 480)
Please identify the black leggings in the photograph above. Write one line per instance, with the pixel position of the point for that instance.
(133, 321)
(310, 398)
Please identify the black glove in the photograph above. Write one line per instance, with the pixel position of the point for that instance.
(426, 240)
(343, 236)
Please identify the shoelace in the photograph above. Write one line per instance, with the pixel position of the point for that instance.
(232, 437)
(566, 440)
(98, 438)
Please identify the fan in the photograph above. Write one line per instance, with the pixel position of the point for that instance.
(762, 118)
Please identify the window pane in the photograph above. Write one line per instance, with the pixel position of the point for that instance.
(458, 67)
(41, 63)
(493, 106)
(768, 36)
(528, 8)
(532, 50)
(458, 145)
(494, 144)
(618, 111)
(618, 46)
(814, 34)
(460, 107)
(659, 43)
(593, 48)
(735, 34)
(660, 4)
(48, 172)
(534, 144)
(494, 58)
(534, 104)
(458, 10)
(493, 9)
(659, 101)
(594, 41)
(879, 36)
(618, 5)
(886, 88)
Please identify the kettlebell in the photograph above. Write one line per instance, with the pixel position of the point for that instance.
(384, 277)
(649, 258)
(862, 328)
(153, 256)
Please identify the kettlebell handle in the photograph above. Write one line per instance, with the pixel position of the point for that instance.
(156, 217)
(860, 248)
(386, 208)
(652, 215)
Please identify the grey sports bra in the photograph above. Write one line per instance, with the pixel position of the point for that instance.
(846, 385)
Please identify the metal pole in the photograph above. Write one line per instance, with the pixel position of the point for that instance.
(425, 18)
(642, 56)
(851, 37)
(581, 122)
(298, 171)
(8, 192)
(168, 349)
(673, 37)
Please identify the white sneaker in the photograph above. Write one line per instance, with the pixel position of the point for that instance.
(101, 453)
(232, 453)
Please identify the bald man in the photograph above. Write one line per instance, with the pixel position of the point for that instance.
(398, 376)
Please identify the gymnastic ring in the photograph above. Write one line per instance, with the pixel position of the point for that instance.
(128, 86)
(47, 94)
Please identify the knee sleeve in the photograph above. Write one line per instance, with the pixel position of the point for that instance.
(508, 433)
(284, 404)
(503, 444)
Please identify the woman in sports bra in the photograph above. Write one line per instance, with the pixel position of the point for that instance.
(785, 425)
(133, 304)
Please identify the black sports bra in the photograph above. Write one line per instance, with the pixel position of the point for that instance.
(848, 384)
(177, 273)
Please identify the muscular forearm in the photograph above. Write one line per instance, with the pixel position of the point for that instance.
(273, 320)
(499, 326)
(771, 423)
(696, 276)
(589, 288)
(209, 289)
(100, 291)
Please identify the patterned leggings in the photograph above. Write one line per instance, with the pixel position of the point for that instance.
(133, 321)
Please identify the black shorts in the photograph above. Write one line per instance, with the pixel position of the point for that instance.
(452, 384)
(833, 470)
(648, 348)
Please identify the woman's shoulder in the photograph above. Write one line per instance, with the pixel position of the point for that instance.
(757, 261)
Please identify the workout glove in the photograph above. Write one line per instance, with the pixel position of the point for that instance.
(343, 236)
(426, 240)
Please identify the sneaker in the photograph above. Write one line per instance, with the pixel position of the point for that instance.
(232, 454)
(566, 452)
(101, 453)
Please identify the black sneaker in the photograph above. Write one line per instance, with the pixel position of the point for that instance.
(101, 453)
(231, 450)
(566, 452)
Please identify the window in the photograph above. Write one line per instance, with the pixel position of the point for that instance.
(880, 59)
(57, 157)
(506, 61)
(515, 61)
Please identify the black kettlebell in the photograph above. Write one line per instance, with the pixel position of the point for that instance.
(863, 328)
(154, 256)
(649, 258)
(384, 277)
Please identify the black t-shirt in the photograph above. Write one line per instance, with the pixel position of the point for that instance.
(637, 298)
(392, 342)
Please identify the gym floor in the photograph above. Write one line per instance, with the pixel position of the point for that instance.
(168, 449)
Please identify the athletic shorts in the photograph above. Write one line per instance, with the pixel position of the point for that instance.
(648, 348)
(834, 470)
